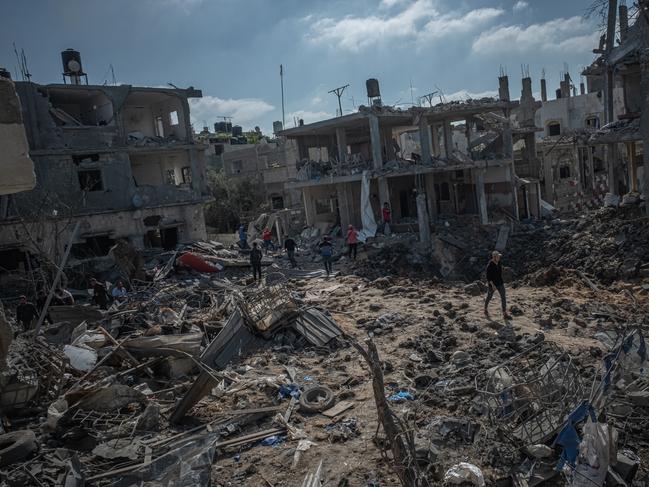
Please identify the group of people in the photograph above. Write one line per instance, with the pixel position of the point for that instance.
(27, 313)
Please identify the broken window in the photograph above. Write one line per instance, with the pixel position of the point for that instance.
(90, 180)
(70, 107)
(323, 206)
(277, 202)
(173, 118)
(592, 122)
(13, 260)
(187, 174)
(170, 176)
(95, 246)
(554, 128)
(444, 192)
(166, 238)
(564, 172)
(85, 158)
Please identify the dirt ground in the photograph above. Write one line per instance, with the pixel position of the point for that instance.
(422, 324)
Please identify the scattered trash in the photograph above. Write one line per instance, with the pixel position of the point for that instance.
(464, 473)
(401, 396)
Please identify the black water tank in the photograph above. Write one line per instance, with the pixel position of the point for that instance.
(71, 62)
(237, 131)
(372, 86)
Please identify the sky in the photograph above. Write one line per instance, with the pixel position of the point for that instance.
(232, 49)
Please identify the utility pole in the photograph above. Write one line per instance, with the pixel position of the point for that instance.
(281, 80)
(339, 92)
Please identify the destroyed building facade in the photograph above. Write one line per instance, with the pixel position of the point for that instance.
(119, 159)
(464, 163)
(625, 65)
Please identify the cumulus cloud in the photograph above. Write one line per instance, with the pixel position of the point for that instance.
(418, 21)
(559, 35)
(243, 111)
(520, 5)
(308, 116)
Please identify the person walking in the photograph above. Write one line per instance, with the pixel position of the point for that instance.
(289, 246)
(267, 237)
(25, 313)
(495, 283)
(255, 261)
(352, 241)
(243, 237)
(386, 213)
(99, 293)
(326, 251)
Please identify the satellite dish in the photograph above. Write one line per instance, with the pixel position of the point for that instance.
(74, 66)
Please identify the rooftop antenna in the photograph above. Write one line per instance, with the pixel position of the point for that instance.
(339, 92)
(442, 98)
(22, 63)
(112, 73)
(281, 81)
(412, 98)
(173, 86)
(429, 97)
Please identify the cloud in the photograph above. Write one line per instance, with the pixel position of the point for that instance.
(468, 95)
(390, 3)
(307, 116)
(419, 21)
(209, 109)
(520, 5)
(572, 34)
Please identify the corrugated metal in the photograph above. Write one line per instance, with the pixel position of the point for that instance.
(318, 328)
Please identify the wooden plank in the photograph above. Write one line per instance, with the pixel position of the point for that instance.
(339, 408)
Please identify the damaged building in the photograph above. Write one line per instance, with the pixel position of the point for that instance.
(624, 66)
(120, 160)
(464, 163)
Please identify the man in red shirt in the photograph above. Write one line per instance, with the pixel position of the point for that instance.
(267, 237)
(352, 241)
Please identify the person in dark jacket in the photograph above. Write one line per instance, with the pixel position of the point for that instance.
(495, 283)
(99, 294)
(255, 261)
(327, 252)
(25, 313)
(289, 246)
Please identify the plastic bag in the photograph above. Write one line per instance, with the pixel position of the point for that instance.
(464, 472)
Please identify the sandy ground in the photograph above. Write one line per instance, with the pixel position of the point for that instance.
(433, 320)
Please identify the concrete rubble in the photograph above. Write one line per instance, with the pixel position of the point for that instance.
(249, 384)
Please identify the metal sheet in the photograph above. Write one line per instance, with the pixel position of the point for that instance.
(318, 328)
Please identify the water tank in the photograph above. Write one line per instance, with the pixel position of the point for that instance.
(237, 130)
(277, 126)
(71, 60)
(300, 122)
(372, 86)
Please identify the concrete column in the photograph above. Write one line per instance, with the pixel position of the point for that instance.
(548, 177)
(429, 181)
(423, 219)
(448, 139)
(424, 139)
(375, 137)
(512, 176)
(481, 197)
(435, 146)
(508, 142)
(309, 207)
(503, 88)
(644, 117)
(390, 153)
(611, 159)
(341, 142)
(344, 205)
(544, 90)
(384, 193)
(591, 167)
(633, 169)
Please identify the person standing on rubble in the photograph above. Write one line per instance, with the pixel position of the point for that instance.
(255, 261)
(63, 297)
(326, 251)
(387, 217)
(243, 237)
(495, 283)
(25, 313)
(267, 237)
(99, 294)
(352, 241)
(289, 246)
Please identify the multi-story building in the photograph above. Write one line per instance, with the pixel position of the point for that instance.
(121, 160)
